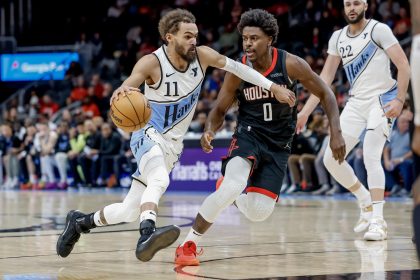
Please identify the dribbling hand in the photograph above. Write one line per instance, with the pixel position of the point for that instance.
(121, 91)
(205, 141)
(283, 95)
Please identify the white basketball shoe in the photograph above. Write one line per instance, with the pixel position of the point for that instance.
(364, 219)
(378, 230)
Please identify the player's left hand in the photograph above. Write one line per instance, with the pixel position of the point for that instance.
(415, 145)
(338, 146)
(393, 108)
(283, 95)
(205, 141)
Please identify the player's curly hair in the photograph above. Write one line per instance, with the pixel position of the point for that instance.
(262, 19)
(169, 23)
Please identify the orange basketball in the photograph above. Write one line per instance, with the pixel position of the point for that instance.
(130, 112)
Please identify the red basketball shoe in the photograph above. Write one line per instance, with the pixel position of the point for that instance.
(187, 255)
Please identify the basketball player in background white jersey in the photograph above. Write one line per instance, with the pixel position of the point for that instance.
(376, 99)
(173, 75)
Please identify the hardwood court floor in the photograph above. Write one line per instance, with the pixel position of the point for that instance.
(304, 236)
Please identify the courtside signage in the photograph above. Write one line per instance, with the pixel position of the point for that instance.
(35, 66)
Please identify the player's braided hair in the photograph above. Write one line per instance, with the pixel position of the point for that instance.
(262, 19)
(169, 23)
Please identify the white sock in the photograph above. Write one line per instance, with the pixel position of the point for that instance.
(97, 219)
(363, 196)
(378, 209)
(148, 215)
(193, 236)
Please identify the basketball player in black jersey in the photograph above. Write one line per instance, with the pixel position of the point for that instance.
(257, 157)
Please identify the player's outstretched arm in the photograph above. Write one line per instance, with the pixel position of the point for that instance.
(210, 57)
(142, 71)
(298, 69)
(327, 75)
(225, 99)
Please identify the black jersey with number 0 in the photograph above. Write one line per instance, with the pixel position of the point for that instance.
(259, 110)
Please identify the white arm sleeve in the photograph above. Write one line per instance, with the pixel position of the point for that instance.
(332, 43)
(415, 77)
(247, 74)
(383, 36)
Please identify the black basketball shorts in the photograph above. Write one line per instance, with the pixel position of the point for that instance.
(269, 163)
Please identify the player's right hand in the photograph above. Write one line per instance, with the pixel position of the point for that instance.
(283, 95)
(338, 146)
(205, 141)
(121, 91)
(302, 119)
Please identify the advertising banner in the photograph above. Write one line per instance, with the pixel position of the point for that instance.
(35, 66)
(197, 171)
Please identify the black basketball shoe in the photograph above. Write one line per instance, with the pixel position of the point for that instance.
(75, 225)
(153, 239)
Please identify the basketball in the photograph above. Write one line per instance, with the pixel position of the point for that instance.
(131, 112)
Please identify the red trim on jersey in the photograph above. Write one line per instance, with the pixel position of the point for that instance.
(244, 59)
(254, 162)
(273, 63)
(262, 191)
(232, 146)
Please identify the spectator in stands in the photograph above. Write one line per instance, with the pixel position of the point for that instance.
(30, 159)
(44, 143)
(197, 125)
(402, 25)
(228, 40)
(66, 117)
(103, 103)
(85, 50)
(302, 158)
(11, 146)
(79, 92)
(88, 159)
(397, 155)
(48, 106)
(388, 8)
(98, 86)
(126, 162)
(77, 144)
(89, 108)
(62, 147)
(108, 153)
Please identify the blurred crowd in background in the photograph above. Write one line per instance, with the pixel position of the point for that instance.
(61, 129)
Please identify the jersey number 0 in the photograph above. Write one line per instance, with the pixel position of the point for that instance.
(268, 112)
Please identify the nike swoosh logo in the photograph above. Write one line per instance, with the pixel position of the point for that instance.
(168, 75)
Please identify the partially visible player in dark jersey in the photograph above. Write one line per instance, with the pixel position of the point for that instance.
(260, 147)
(415, 84)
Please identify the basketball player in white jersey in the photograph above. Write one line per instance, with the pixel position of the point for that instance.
(376, 99)
(173, 75)
(415, 85)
